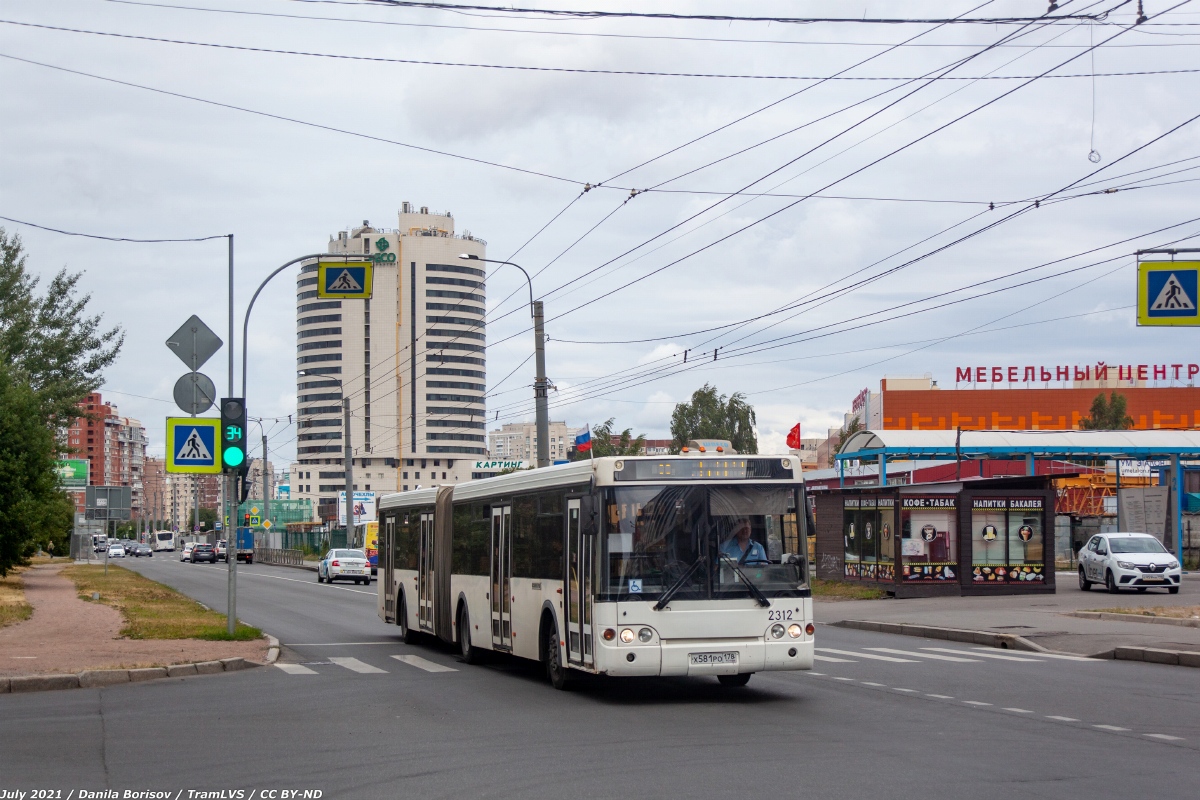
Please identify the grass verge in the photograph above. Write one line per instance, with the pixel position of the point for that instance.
(151, 610)
(844, 590)
(1171, 612)
(13, 607)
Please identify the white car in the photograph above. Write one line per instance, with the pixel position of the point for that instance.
(116, 551)
(186, 555)
(344, 565)
(1128, 560)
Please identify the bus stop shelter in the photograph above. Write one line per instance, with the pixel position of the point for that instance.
(963, 445)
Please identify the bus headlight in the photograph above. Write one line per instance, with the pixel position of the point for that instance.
(626, 635)
(794, 631)
(776, 631)
(645, 635)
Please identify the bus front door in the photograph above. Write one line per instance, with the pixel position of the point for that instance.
(579, 589)
(501, 593)
(425, 574)
(387, 553)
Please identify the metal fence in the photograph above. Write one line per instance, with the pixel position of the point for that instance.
(283, 557)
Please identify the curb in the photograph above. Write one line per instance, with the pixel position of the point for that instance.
(1153, 655)
(272, 650)
(1110, 616)
(1004, 641)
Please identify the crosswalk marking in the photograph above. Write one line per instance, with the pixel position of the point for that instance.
(982, 655)
(835, 660)
(1039, 655)
(354, 665)
(924, 655)
(420, 663)
(296, 669)
(866, 655)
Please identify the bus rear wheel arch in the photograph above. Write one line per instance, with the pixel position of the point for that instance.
(469, 652)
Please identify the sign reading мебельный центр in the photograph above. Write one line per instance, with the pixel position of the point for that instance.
(1167, 293)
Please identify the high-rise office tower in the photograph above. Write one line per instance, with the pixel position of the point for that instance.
(411, 359)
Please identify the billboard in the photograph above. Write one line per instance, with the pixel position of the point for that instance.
(364, 507)
(371, 542)
(72, 473)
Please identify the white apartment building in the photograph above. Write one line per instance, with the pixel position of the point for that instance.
(411, 359)
(516, 441)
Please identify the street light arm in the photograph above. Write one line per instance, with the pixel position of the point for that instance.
(528, 280)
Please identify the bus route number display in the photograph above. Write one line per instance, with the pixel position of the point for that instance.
(703, 469)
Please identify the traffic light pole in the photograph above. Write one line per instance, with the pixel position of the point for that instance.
(231, 488)
(349, 459)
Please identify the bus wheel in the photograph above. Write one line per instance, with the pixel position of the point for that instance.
(741, 679)
(406, 633)
(556, 671)
(470, 653)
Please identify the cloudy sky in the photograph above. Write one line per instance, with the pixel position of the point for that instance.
(812, 233)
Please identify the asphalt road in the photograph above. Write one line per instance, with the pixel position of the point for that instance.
(880, 715)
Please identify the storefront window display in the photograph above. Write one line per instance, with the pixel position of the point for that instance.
(929, 532)
(1006, 540)
(868, 526)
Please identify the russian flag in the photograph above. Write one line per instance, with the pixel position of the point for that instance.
(583, 442)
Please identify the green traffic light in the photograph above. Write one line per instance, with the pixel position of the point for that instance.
(233, 456)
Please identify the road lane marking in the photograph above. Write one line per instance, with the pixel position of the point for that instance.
(420, 663)
(1062, 719)
(868, 683)
(224, 574)
(940, 696)
(1019, 710)
(982, 655)
(867, 655)
(835, 660)
(976, 703)
(924, 655)
(1164, 737)
(296, 669)
(1042, 655)
(898, 689)
(810, 672)
(1109, 728)
(354, 665)
(843, 679)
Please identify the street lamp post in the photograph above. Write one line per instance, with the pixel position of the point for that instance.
(540, 383)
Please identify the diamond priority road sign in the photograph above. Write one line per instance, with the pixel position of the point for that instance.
(347, 280)
(194, 343)
(193, 444)
(1168, 293)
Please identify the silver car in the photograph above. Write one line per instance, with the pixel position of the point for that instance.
(344, 565)
(1128, 560)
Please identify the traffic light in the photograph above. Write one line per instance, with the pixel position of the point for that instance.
(233, 436)
(247, 523)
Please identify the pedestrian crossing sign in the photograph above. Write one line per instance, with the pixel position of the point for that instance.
(1167, 293)
(346, 280)
(193, 444)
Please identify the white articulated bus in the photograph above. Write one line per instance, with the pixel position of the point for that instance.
(676, 565)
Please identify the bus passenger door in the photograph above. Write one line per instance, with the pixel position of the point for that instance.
(579, 588)
(425, 574)
(388, 552)
(501, 592)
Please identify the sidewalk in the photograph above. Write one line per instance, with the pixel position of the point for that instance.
(1043, 618)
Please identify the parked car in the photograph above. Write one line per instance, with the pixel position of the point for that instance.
(186, 553)
(140, 550)
(99, 543)
(220, 549)
(1128, 560)
(203, 552)
(116, 551)
(344, 565)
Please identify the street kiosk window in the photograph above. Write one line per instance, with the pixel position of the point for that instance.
(929, 536)
(1007, 545)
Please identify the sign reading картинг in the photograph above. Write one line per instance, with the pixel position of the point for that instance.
(1075, 372)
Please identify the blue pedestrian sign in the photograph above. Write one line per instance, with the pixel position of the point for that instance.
(1168, 293)
(344, 279)
(193, 444)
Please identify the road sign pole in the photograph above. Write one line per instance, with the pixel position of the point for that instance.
(349, 470)
(231, 489)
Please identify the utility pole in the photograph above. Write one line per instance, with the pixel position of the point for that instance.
(540, 387)
(231, 486)
(266, 510)
(349, 458)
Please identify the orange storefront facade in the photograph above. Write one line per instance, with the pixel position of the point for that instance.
(1033, 409)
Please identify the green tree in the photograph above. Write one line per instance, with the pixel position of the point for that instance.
(34, 510)
(852, 427)
(710, 415)
(48, 339)
(1108, 414)
(603, 445)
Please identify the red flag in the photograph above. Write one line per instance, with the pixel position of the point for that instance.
(793, 437)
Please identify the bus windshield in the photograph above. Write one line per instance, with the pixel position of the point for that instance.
(165, 537)
(697, 542)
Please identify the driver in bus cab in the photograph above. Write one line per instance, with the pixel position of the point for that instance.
(741, 548)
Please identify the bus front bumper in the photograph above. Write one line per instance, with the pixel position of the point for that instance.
(704, 657)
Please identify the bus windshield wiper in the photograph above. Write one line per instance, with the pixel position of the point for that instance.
(678, 584)
(754, 590)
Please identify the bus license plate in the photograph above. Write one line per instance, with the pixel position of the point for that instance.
(713, 659)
